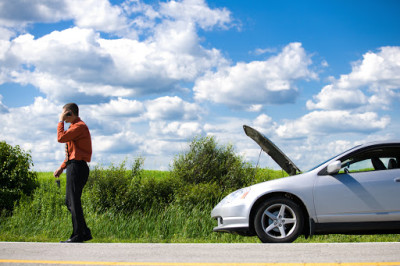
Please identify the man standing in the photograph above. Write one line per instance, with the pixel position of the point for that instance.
(78, 154)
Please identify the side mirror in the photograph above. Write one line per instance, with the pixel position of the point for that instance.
(333, 168)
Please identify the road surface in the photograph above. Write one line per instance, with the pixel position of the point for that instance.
(353, 254)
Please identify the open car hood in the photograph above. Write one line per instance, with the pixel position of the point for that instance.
(276, 154)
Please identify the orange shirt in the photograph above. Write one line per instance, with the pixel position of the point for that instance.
(78, 139)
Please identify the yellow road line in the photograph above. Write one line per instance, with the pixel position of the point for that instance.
(59, 262)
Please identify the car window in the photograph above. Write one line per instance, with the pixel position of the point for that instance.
(365, 165)
(376, 159)
(361, 166)
(315, 167)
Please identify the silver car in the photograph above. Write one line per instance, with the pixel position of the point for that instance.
(355, 192)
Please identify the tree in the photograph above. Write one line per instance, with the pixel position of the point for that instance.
(208, 162)
(16, 178)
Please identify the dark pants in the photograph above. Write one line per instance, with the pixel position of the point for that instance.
(77, 176)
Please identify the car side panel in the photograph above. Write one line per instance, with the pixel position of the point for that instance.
(358, 197)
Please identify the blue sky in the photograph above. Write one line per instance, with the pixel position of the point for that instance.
(316, 77)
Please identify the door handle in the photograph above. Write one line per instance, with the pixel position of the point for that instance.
(397, 180)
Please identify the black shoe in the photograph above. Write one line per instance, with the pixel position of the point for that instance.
(74, 239)
(87, 237)
(79, 238)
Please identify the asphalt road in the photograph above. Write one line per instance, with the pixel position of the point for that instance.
(12, 253)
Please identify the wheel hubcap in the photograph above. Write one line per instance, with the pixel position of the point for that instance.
(279, 221)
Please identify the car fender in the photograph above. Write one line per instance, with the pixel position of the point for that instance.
(299, 187)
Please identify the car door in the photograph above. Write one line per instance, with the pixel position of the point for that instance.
(365, 190)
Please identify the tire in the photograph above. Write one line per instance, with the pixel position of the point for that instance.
(279, 220)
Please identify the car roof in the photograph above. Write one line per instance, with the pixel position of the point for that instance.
(381, 142)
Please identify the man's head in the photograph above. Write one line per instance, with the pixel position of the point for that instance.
(73, 112)
(73, 107)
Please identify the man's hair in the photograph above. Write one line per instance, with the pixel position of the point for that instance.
(73, 107)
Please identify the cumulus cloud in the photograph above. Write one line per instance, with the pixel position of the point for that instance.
(98, 15)
(254, 108)
(264, 124)
(27, 119)
(29, 127)
(332, 122)
(333, 98)
(119, 107)
(373, 83)
(313, 151)
(78, 61)
(123, 64)
(80, 64)
(176, 129)
(172, 108)
(19, 12)
(258, 82)
(122, 142)
(95, 14)
(196, 11)
(5, 36)
(59, 64)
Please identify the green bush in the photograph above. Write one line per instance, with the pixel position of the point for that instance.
(108, 187)
(118, 189)
(204, 194)
(151, 193)
(208, 162)
(16, 179)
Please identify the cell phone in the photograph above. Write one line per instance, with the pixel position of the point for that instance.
(68, 114)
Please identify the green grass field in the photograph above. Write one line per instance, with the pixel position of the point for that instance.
(44, 218)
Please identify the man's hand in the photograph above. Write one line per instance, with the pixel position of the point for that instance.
(63, 115)
(58, 172)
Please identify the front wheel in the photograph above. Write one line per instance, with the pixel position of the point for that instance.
(279, 220)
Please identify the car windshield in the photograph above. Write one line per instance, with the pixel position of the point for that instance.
(332, 158)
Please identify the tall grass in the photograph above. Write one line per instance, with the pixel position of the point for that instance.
(44, 217)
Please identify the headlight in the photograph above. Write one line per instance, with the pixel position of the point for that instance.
(238, 194)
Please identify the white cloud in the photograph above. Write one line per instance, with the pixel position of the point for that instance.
(260, 51)
(313, 151)
(60, 63)
(257, 82)
(172, 108)
(324, 63)
(29, 122)
(332, 122)
(120, 107)
(102, 75)
(265, 124)
(255, 108)
(333, 98)
(373, 84)
(176, 129)
(5, 36)
(156, 50)
(262, 120)
(196, 11)
(125, 142)
(79, 62)
(162, 147)
(18, 13)
(30, 127)
(99, 15)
